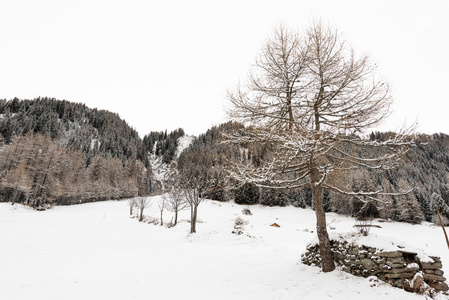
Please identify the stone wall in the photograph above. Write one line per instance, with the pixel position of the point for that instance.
(394, 267)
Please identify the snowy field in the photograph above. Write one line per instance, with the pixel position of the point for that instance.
(95, 251)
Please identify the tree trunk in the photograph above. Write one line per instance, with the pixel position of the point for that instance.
(176, 218)
(194, 210)
(131, 209)
(162, 221)
(327, 259)
(141, 214)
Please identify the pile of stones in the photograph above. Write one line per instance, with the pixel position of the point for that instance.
(395, 267)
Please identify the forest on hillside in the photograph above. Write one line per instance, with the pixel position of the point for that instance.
(163, 144)
(58, 152)
(424, 172)
(74, 126)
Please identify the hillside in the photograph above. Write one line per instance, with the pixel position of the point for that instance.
(95, 251)
(72, 125)
(424, 170)
(59, 152)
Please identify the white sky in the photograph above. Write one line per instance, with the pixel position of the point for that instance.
(168, 64)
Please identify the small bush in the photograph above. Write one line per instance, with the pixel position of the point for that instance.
(246, 212)
(363, 226)
(239, 225)
(151, 220)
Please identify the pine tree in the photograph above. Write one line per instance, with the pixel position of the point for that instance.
(437, 201)
(408, 206)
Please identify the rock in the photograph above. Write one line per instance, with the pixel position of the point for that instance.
(396, 260)
(368, 263)
(393, 276)
(339, 256)
(353, 251)
(433, 277)
(441, 286)
(413, 267)
(398, 283)
(439, 272)
(390, 254)
(352, 263)
(396, 266)
(436, 259)
(431, 266)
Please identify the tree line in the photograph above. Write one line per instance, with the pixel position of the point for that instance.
(97, 176)
(36, 171)
(424, 172)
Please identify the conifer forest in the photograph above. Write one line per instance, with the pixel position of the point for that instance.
(57, 152)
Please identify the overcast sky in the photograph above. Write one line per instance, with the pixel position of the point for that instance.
(168, 64)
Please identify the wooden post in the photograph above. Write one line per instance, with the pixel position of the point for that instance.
(442, 226)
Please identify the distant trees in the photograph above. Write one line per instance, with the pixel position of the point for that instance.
(91, 155)
(73, 125)
(409, 209)
(62, 152)
(247, 193)
(18, 182)
(309, 97)
(163, 144)
(34, 170)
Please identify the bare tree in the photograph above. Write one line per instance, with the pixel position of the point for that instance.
(193, 168)
(131, 203)
(142, 203)
(309, 97)
(175, 202)
(161, 205)
(18, 180)
(55, 174)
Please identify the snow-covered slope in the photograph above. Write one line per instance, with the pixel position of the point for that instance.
(183, 143)
(95, 251)
(159, 168)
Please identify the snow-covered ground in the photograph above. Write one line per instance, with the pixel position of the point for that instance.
(95, 251)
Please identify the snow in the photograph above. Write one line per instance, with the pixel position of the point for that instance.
(96, 251)
(384, 243)
(159, 168)
(183, 143)
(413, 266)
